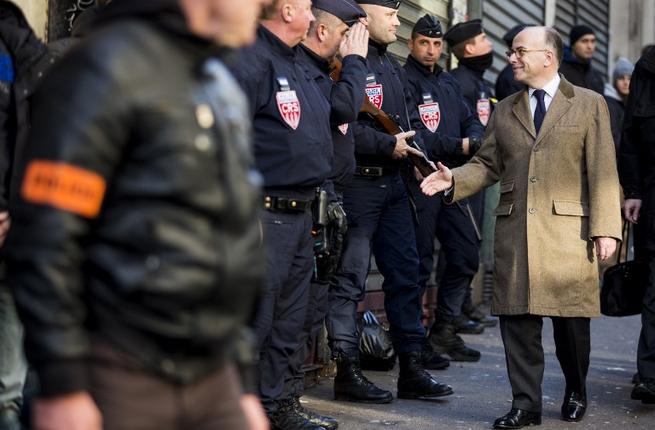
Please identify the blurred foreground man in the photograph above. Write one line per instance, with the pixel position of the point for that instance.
(133, 254)
(636, 161)
(550, 147)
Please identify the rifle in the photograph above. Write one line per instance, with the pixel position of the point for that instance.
(390, 125)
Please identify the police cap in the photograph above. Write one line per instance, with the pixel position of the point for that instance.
(463, 31)
(346, 10)
(393, 4)
(428, 26)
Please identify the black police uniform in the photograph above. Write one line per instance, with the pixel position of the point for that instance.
(293, 152)
(478, 96)
(446, 120)
(379, 219)
(346, 97)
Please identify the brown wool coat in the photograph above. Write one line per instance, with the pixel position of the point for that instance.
(559, 190)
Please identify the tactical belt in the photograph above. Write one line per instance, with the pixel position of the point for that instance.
(373, 171)
(285, 204)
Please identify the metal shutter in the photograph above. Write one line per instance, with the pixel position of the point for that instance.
(595, 14)
(501, 15)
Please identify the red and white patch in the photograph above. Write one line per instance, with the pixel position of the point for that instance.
(343, 128)
(484, 111)
(430, 115)
(289, 107)
(375, 95)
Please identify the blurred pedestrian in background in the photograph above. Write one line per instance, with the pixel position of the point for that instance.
(616, 95)
(577, 65)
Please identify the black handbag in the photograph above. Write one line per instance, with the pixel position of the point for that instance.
(624, 285)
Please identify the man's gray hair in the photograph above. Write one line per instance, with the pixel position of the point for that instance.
(554, 41)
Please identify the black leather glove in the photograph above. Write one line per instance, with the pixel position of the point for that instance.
(474, 145)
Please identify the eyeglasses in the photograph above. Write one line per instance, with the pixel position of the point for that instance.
(520, 52)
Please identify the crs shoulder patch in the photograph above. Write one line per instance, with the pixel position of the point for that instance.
(6, 68)
(63, 186)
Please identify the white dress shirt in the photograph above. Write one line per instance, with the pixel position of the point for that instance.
(550, 88)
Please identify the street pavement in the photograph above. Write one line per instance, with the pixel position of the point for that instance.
(482, 391)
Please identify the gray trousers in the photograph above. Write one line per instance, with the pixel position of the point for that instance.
(13, 366)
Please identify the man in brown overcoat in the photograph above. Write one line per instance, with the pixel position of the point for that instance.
(551, 148)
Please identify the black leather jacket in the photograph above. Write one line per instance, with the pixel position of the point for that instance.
(169, 268)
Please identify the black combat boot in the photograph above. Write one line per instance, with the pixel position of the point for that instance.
(476, 315)
(432, 360)
(416, 383)
(644, 391)
(466, 326)
(287, 417)
(328, 423)
(351, 385)
(444, 341)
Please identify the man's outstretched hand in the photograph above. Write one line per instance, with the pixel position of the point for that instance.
(439, 181)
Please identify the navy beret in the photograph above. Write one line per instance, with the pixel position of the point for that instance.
(346, 10)
(394, 4)
(508, 38)
(463, 31)
(428, 26)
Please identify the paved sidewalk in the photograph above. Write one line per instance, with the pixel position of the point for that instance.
(482, 391)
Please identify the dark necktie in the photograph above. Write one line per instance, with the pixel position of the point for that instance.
(540, 111)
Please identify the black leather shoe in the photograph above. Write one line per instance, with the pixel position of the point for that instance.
(466, 326)
(644, 391)
(518, 418)
(416, 383)
(443, 339)
(351, 385)
(9, 419)
(328, 423)
(574, 406)
(286, 417)
(431, 359)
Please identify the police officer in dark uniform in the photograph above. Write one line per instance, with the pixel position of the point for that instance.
(380, 220)
(474, 51)
(506, 85)
(451, 134)
(336, 30)
(293, 152)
